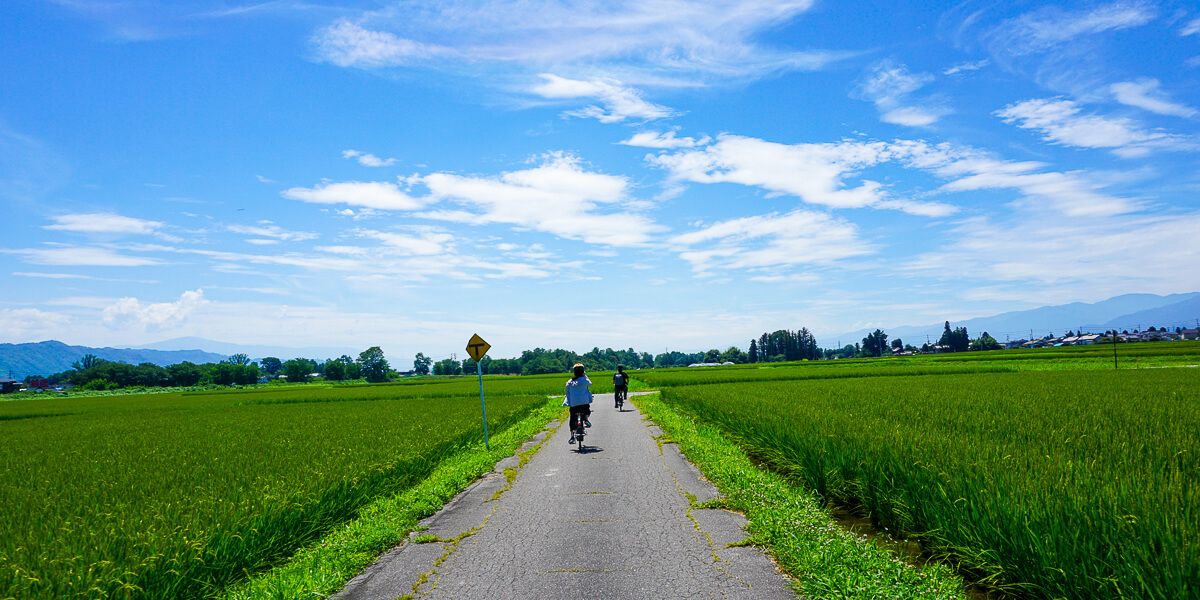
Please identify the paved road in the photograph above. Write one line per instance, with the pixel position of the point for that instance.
(612, 522)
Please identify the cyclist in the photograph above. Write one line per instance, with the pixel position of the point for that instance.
(620, 386)
(579, 398)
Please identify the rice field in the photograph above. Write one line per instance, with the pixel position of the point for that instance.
(179, 495)
(1042, 483)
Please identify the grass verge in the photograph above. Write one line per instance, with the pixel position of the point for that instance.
(325, 566)
(826, 560)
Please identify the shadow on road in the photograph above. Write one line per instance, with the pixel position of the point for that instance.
(589, 449)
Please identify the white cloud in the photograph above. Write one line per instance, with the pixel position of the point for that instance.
(966, 67)
(379, 195)
(1060, 122)
(129, 313)
(1071, 193)
(368, 160)
(264, 179)
(1191, 28)
(1050, 26)
(31, 324)
(349, 45)
(557, 197)
(619, 101)
(666, 141)
(799, 237)
(53, 275)
(267, 229)
(640, 38)
(1084, 257)
(1144, 93)
(103, 223)
(81, 256)
(889, 86)
(812, 172)
(427, 242)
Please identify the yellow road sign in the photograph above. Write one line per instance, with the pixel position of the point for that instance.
(477, 347)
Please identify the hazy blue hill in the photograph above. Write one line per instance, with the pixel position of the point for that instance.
(45, 358)
(1180, 314)
(1125, 312)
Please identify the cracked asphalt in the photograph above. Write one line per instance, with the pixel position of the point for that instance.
(613, 522)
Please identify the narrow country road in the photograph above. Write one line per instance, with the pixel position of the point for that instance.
(610, 523)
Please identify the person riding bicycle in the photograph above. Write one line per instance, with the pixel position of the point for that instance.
(579, 398)
(620, 386)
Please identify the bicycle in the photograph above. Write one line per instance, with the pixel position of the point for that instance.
(621, 394)
(579, 433)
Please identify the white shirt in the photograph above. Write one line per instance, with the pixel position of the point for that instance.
(578, 392)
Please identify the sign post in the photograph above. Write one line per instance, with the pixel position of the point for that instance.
(477, 348)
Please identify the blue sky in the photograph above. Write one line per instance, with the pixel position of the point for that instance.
(646, 174)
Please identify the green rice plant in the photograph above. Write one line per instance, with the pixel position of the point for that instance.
(814, 370)
(177, 496)
(1049, 484)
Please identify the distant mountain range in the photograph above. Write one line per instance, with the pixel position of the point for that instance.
(47, 358)
(1128, 312)
(254, 352)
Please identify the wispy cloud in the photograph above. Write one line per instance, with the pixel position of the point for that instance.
(1067, 51)
(1087, 257)
(1191, 27)
(618, 102)
(966, 67)
(267, 229)
(666, 141)
(1046, 193)
(381, 195)
(1061, 122)
(81, 256)
(815, 173)
(103, 223)
(347, 44)
(646, 40)
(427, 241)
(1145, 94)
(796, 238)
(368, 160)
(889, 85)
(558, 197)
(1049, 27)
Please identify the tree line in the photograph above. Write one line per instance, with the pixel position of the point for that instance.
(372, 366)
(93, 373)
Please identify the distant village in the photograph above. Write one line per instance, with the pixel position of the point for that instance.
(1082, 339)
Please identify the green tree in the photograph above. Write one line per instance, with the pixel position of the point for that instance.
(957, 340)
(372, 364)
(87, 361)
(421, 364)
(734, 355)
(875, 343)
(297, 370)
(985, 342)
(271, 365)
(238, 359)
(335, 370)
(184, 374)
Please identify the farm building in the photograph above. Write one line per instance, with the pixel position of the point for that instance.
(8, 386)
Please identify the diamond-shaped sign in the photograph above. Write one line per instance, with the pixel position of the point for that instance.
(477, 347)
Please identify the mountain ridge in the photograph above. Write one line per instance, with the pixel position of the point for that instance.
(52, 356)
(1127, 311)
